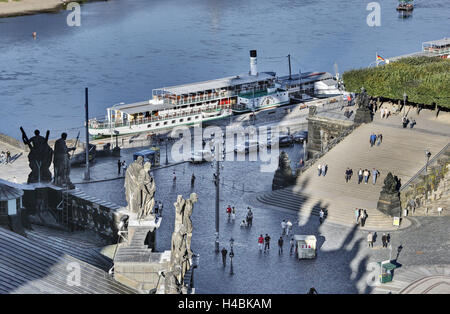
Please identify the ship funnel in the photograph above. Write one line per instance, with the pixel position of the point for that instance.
(253, 68)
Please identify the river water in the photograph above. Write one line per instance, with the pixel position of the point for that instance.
(125, 48)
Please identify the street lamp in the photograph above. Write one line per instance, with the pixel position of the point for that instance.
(231, 256)
(427, 155)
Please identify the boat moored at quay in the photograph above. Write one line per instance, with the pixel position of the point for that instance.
(196, 103)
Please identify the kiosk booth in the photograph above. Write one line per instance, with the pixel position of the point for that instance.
(386, 270)
(151, 155)
(305, 246)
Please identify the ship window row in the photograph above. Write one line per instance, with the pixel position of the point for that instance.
(173, 121)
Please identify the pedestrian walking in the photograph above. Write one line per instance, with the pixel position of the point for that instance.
(370, 239)
(233, 213)
(260, 242)
(224, 256)
(382, 113)
(319, 169)
(360, 176)
(363, 217)
(291, 244)
(379, 139)
(321, 215)
(384, 240)
(324, 169)
(229, 212)
(283, 227)
(357, 215)
(119, 167)
(192, 179)
(375, 174)
(8, 157)
(267, 243)
(280, 245)
(288, 227)
(124, 167)
(160, 208)
(348, 174)
(366, 174)
(174, 176)
(249, 217)
(412, 123)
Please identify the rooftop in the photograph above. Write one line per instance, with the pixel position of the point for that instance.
(438, 43)
(217, 83)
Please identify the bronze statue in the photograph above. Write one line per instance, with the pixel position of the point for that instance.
(61, 163)
(39, 158)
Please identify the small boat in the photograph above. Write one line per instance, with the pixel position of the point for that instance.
(405, 5)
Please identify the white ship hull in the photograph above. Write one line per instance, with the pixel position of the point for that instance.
(162, 124)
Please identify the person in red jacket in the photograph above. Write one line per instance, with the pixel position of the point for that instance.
(261, 242)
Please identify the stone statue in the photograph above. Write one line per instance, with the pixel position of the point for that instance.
(187, 222)
(61, 163)
(391, 184)
(39, 158)
(172, 284)
(363, 112)
(389, 200)
(132, 193)
(147, 192)
(283, 176)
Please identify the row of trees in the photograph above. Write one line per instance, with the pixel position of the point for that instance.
(425, 80)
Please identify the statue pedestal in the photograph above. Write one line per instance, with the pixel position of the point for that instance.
(136, 264)
(389, 204)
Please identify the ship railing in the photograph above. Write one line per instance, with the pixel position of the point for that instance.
(107, 125)
(190, 100)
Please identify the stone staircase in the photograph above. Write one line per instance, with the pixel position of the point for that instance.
(418, 280)
(402, 152)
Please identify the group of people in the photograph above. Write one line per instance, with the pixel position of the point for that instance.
(384, 113)
(158, 209)
(121, 165)
(322, 169)
(247, 222)
(406, 121)
(363, 175)
(5, 157)
(286, 227)
(385, 239)
(360, 216)
(376, 139)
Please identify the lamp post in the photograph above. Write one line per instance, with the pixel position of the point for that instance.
(427, 155)
(231, 256)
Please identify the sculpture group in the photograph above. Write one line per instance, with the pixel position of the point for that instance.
(41, 156)
(140, 189)
(181, 253)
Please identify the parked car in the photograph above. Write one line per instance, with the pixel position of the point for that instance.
(286, 140)
(301, 136)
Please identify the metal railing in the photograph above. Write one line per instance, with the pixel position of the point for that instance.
(106, 125)
(423, 169)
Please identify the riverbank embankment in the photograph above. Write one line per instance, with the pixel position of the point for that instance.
(10, 8)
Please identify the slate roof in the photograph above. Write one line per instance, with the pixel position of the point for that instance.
(28, 266)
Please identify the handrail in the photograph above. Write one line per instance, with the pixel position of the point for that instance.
(423, 168)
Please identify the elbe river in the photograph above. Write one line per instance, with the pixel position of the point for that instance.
(125, 48)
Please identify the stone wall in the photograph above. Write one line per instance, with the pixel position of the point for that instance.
(83, 212)
(322, 131)
(428, 187)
